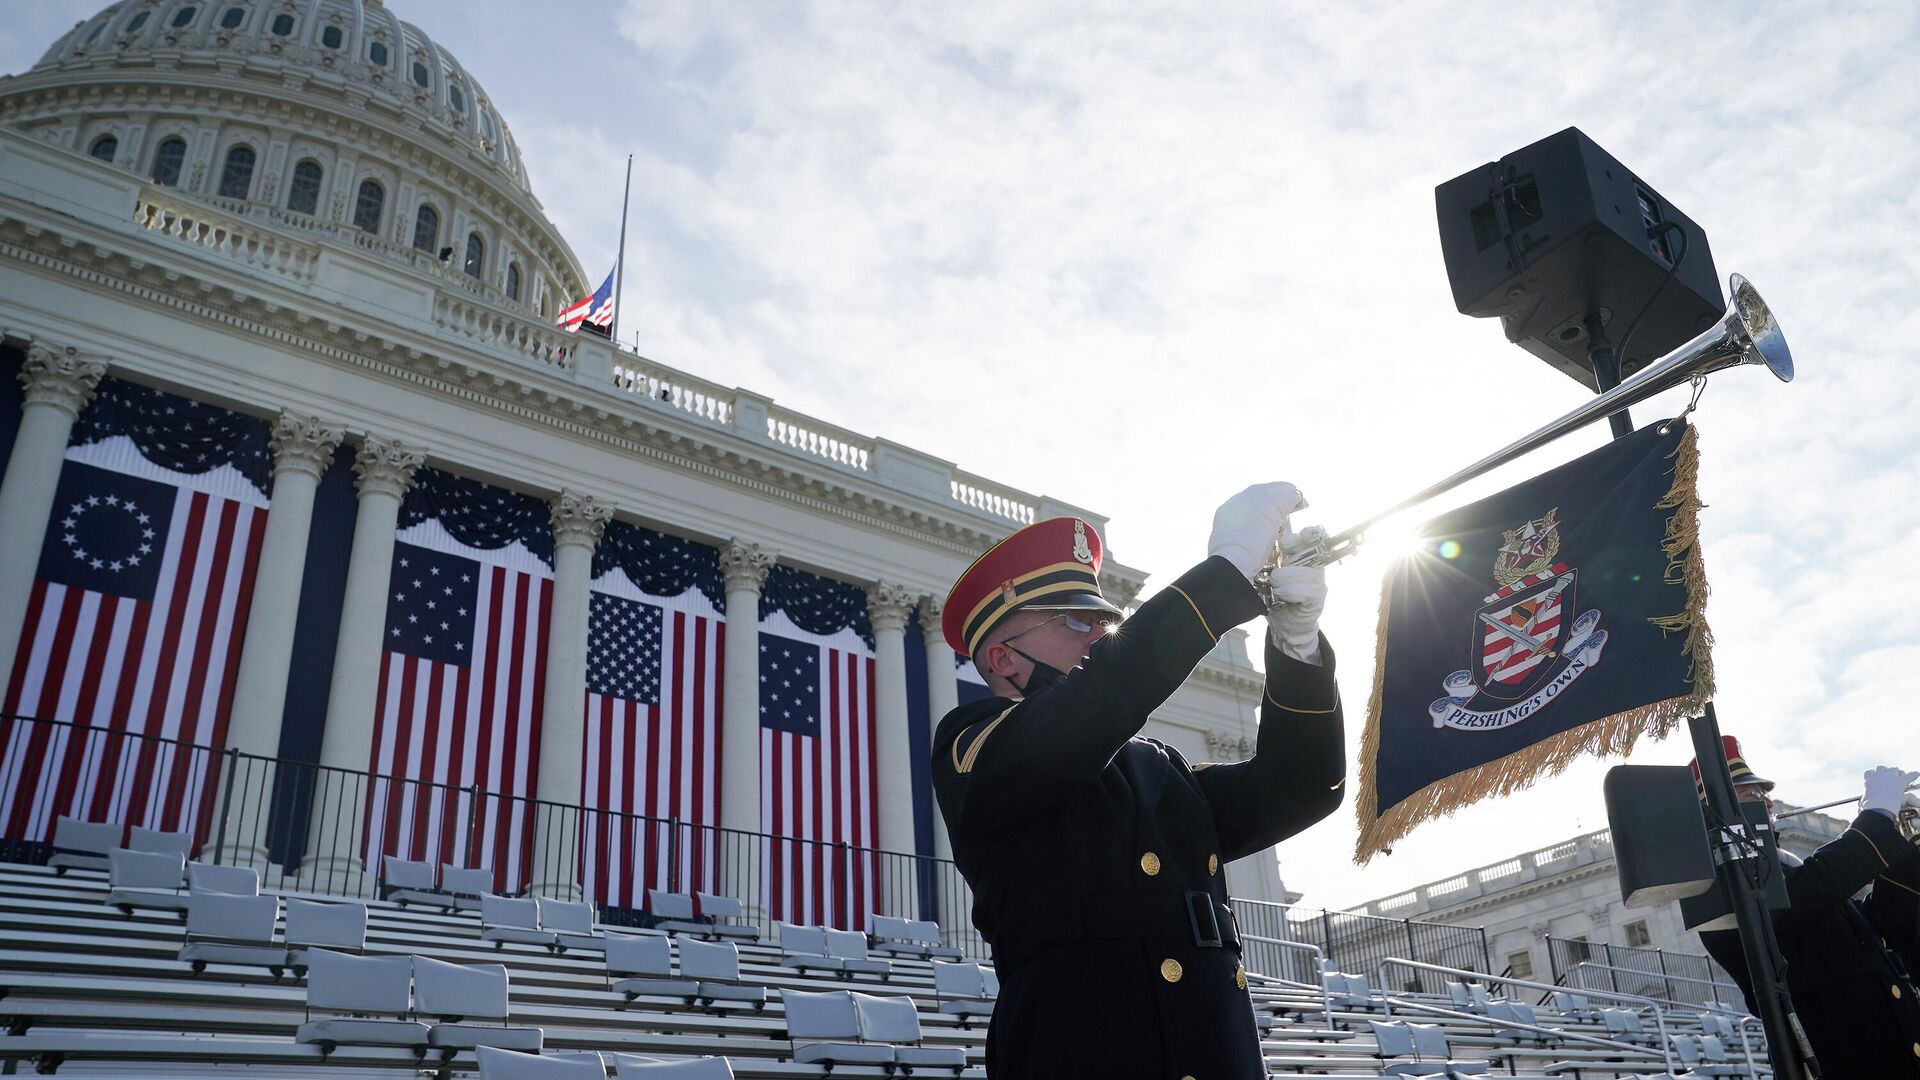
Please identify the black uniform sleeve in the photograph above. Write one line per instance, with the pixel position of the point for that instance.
(1002, 768)
(1871, 847)
(1893, 907)
(1298, 771)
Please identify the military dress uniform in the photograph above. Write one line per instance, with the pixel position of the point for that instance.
(1853, 996)
(1095, 856)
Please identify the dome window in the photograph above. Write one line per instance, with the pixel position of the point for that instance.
(231, 18)
(420, 75)
(104, 148)
(457, 99)
(167, 159)
(282, 25)
(486, 125)
(303, 196)
(97, 31)
(377, 54)
(367, 206)
(134, 24)
(183, 17)
(426, 228)
(476, 256)
(331, 37)
(236, 176)
(513, 281)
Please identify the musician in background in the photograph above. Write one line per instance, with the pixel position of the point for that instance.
(1852, 994)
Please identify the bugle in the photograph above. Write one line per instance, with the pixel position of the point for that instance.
(1746, 334)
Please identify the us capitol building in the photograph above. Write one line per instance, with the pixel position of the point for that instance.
(307, 214)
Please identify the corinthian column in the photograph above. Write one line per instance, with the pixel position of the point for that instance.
(578, 521)
(745, 566)
(385, 470)
(59, 382)
(302, 449)
(887, 606)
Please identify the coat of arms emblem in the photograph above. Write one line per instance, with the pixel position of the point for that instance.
(1527, 644)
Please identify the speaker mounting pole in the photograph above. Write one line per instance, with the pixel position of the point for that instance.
(1606, 369)
(1766, 969)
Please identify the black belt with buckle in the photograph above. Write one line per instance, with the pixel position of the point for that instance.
(1194, 917)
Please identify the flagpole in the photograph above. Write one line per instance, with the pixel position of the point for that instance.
(620, 259)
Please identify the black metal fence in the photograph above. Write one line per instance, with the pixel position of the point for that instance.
(1655, 973)
(329, 831)
(1357, 943)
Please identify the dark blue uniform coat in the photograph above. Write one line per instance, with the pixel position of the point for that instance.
(1097, 857)
(1852, 995)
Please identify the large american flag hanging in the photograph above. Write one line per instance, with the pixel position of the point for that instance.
(819, 788)
(460, 682)
(136, 616)
(650, 770)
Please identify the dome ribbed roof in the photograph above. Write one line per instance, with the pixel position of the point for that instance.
(358, 44)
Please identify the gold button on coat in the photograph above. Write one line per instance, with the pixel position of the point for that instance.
(1150, 864)
(1240, 978)
(1896, 992)
(1170, 970)
(1213, 865)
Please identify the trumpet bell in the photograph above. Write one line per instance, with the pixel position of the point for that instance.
(1761, 329)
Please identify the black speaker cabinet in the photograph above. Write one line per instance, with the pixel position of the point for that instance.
(1558, 229)
(1713, 909)
(1659, 835)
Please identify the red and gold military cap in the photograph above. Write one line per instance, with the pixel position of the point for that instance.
(1051, 565)
(1737, 768)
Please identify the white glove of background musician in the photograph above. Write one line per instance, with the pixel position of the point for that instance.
(1886, 789)
(1293, 619)
(1247, 526)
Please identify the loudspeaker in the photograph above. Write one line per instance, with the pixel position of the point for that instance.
(1559, 229)
(1713, 909)
(1659, 834)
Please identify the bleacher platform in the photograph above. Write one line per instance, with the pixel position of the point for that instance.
(89, 989)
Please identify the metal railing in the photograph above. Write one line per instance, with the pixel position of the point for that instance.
(1683, 977)
(1356, 943)
(325, 830)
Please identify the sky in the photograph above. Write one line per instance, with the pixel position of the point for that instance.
(1137, 256)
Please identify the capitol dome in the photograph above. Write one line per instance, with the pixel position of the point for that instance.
(328, 114)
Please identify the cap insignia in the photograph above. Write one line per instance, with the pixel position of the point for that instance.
(1080, 549)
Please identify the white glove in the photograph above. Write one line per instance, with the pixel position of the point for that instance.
(1247, 526)
(1886, 789)
(1293, 619)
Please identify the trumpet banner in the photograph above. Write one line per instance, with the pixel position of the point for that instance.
(1561, 617)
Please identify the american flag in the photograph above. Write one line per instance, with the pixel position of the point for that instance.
(460, 686)
(652, 747)
(595, 310)
(819, 787)
(136, 616)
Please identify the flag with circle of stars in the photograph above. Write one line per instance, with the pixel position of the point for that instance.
(107, 531)
(430, 605)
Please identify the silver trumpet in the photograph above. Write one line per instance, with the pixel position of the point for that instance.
(1909, 817)
(1746, 334)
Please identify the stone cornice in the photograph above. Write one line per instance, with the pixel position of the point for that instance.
(632, 425)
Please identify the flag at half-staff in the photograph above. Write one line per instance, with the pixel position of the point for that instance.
(594, 312)
(1560, 617)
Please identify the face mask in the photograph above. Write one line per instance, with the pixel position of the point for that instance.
(1044, 674)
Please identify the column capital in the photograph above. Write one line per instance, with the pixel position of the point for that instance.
(60, 376)
(888, 604)
(303, 444)
(745, 565)
(386, 466)
(931, 605)
(579, 519)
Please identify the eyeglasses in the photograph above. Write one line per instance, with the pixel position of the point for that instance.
(1104, 622)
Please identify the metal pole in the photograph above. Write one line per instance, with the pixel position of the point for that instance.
(226, 804)
(1606, 370)
(620, 260)
(1786, 1043)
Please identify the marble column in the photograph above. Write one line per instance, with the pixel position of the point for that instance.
(888, 606)
(578, 521)
(943, 694)
(744, 566)
(385, 469)
(59, 383)
(302, 449)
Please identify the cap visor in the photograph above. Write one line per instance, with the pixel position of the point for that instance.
(1073, 602)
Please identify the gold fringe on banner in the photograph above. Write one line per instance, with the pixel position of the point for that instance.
(1614, 734)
